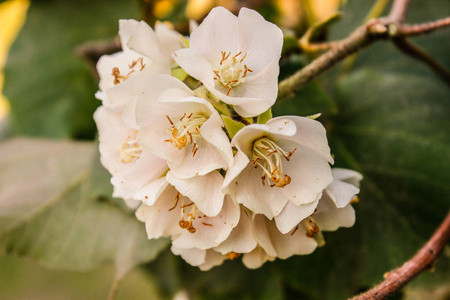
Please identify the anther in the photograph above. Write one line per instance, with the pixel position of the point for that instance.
(233, 255)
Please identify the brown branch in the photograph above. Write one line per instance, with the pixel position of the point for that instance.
(361, 37)
(419, 29)
(398, 11)
(377, 29)
(412, 50)
(423, 260)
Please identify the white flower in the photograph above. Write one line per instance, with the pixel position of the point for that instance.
(183, 129)
(236, 58)
(282, 161)
(204, 259)
(167, 212)
(122, 154)
(131, 165)
(238, 242)
(334, 210)
(143, 50)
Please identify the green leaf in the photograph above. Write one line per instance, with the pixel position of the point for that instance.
(393, 128)
(53, 209)
(51, 89)
(265, 116)
(232, 126)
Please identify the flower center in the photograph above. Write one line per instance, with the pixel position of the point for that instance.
(134, 66)
(186, 130)
(189, 211)
(232, 71)
(130, 149)
(268, 155)
(232, 255)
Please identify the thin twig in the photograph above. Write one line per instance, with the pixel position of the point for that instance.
(419, 29)
(423, 260)
(376, 29)
(398, 11)
(357, 40)
(412, 50)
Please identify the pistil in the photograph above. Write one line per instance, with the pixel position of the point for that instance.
(231, 71)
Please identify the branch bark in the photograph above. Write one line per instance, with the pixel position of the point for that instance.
(377, 29)
(424, 259)
(412, 50)
(399, 10)
(419, 29)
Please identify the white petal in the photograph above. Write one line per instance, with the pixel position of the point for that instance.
(218, 32)
(258, 93)
(207, 159)
(148, 105)
(159, 220)
(311, 134)
(146, 42)
(245, 137)
(293, 243)
(193, 256)
(207, 236)
(347, 175)
(329, 218)
(310, 174)
(261, 233)
(154, 136)
(169, 38)
(204, 191)
(259, 198)
(261, 40)
(341, 193)
(105, 65)
(213, 133)
(239, 163)
(256, 258)
(151, 192)
(112, 134)
(196, 66)
(293, 214)
(241, 238)
(126, 29)
(212, 259)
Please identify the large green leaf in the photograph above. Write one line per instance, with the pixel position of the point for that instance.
(54, 209)
(51, 89)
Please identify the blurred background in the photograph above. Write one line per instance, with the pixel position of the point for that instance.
(386, 116)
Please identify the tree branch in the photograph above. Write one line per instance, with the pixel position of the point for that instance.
(360, 38)
(419, 29)
(412, 50)
(376, 29)
(424, 259)
(398, 11)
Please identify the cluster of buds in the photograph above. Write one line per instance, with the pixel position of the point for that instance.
(219, 188)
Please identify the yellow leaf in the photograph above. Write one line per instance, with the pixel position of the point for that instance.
(12, 16)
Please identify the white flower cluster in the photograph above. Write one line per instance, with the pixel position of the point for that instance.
(218, 188)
